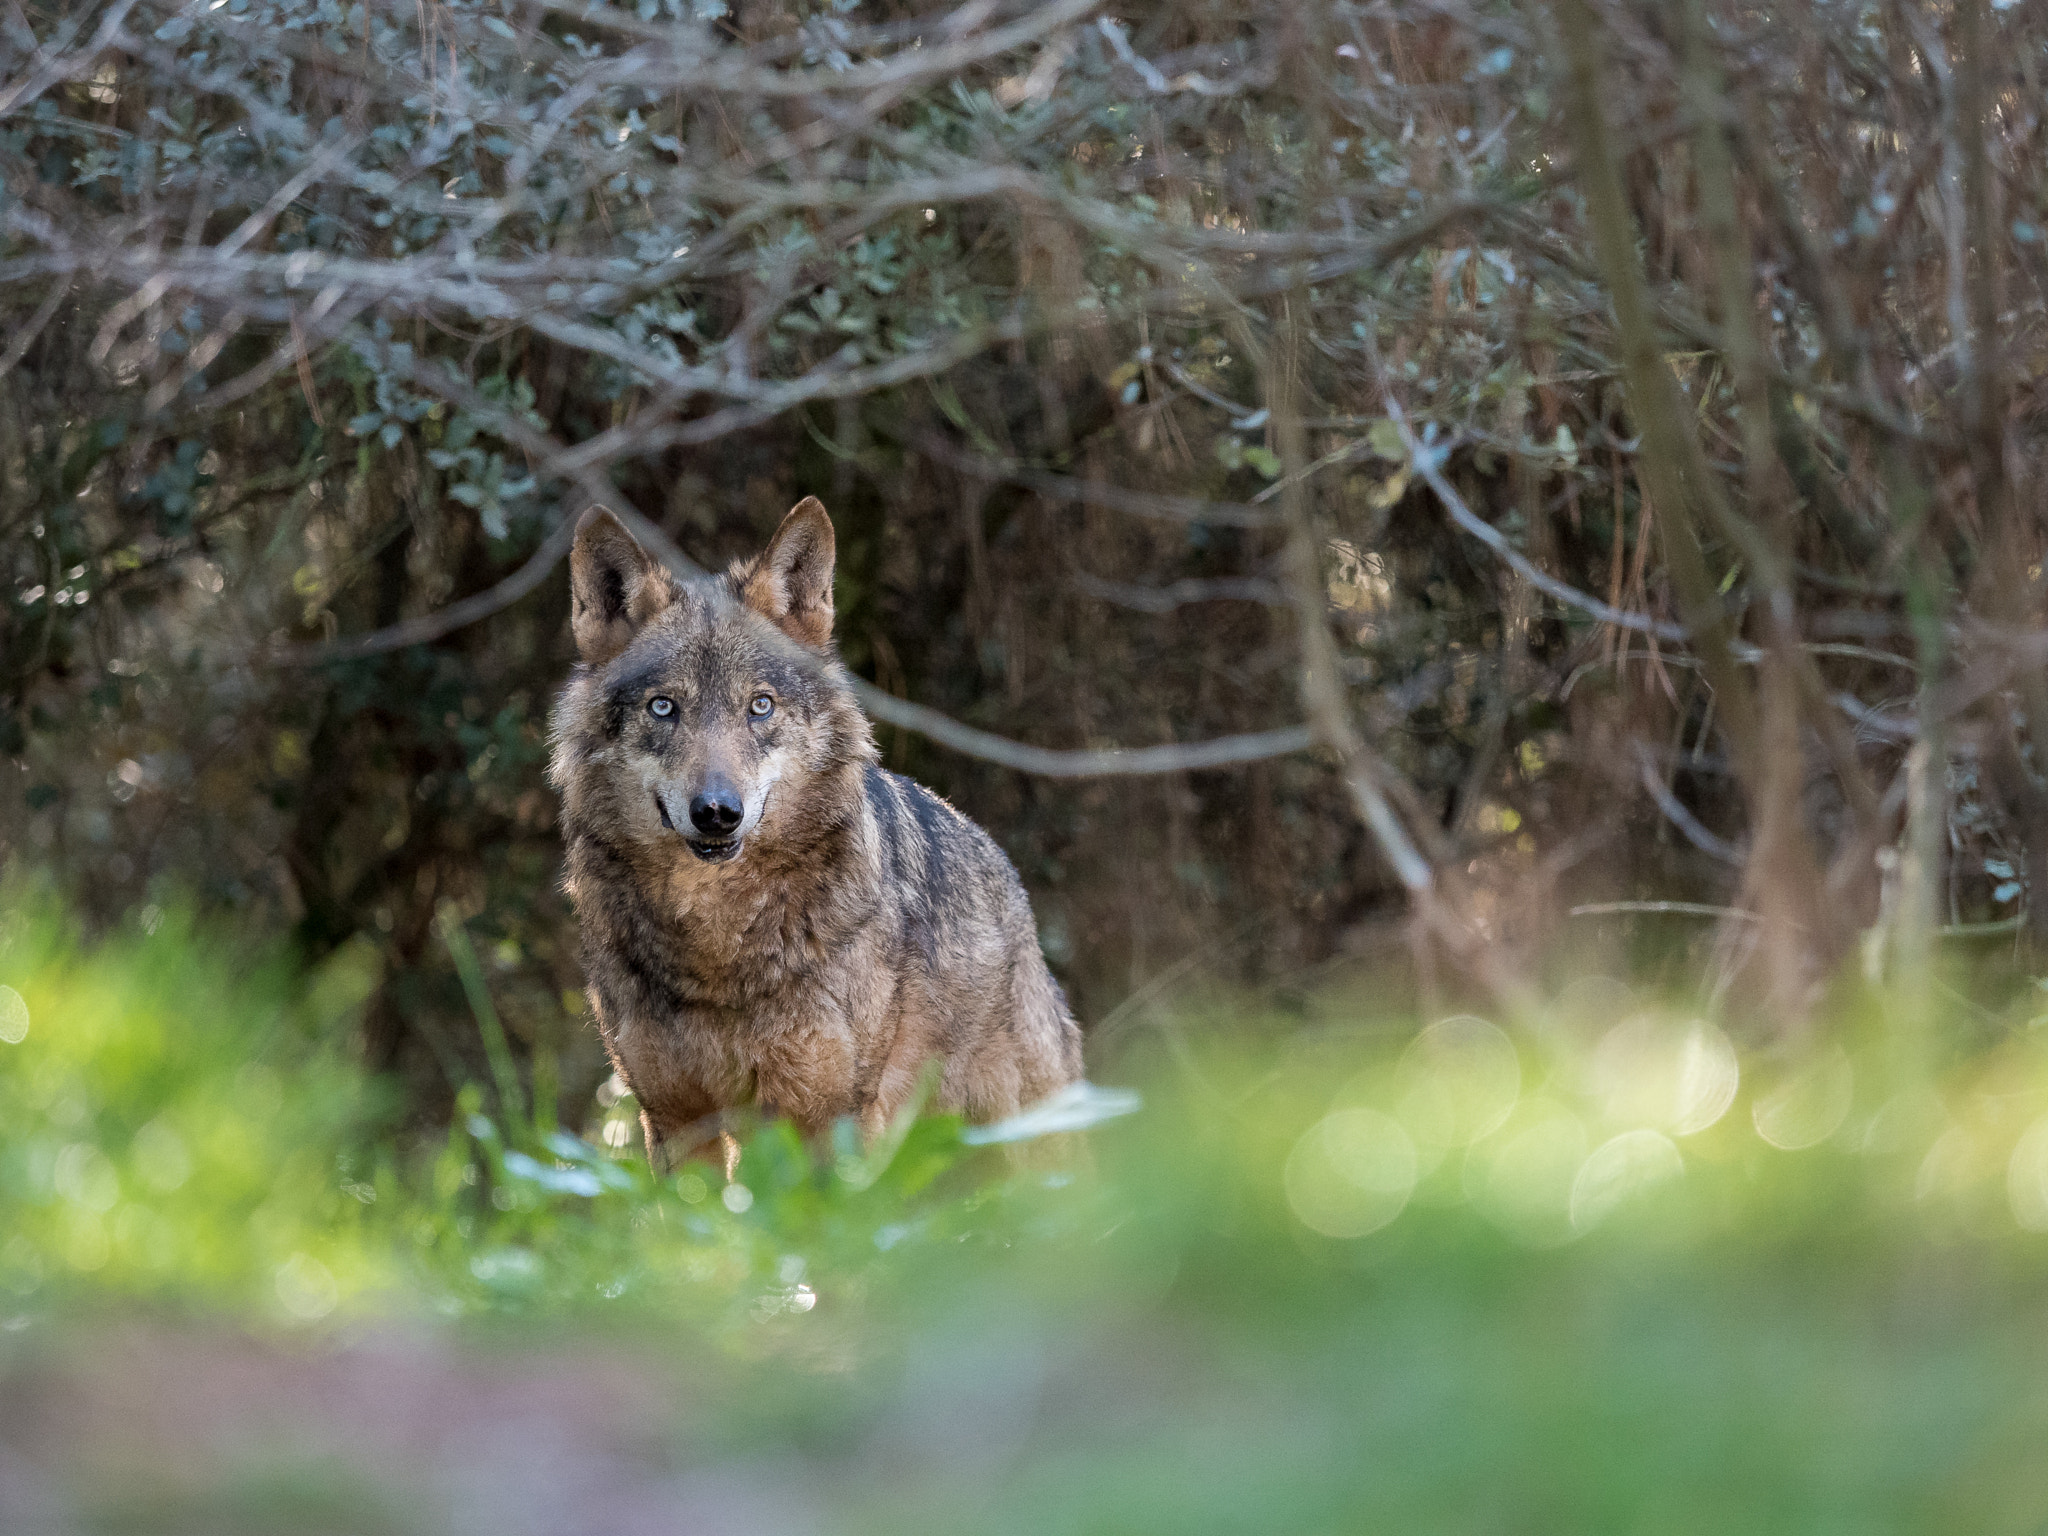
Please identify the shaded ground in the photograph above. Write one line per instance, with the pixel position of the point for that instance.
(1446, 1384)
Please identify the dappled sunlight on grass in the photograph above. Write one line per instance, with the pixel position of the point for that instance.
(1558, 1270)
(174, 1126)
(177, 1125)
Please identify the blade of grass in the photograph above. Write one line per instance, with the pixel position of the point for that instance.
(497, 1050)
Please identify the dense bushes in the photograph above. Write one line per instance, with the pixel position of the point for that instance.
(1626, 407)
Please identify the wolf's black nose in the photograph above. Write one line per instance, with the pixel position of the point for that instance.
(716, 811)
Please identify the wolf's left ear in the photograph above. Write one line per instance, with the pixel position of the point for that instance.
(614, 586)
(790, 584)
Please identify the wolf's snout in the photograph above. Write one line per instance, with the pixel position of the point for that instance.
(716, 809)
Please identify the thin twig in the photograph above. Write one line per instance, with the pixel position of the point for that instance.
(26, 336)
(54, 71)
(1182, 509)
(1695, 831)
(1674, 908)
(444, 621)
(1428, 460)
(1109, 762)
(1321, 675)
(1179, 594)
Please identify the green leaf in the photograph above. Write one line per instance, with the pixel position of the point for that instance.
(1384, 439)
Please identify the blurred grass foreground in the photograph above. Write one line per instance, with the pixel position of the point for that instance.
(1589, 1270)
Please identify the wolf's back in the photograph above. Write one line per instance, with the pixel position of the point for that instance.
(967, 926)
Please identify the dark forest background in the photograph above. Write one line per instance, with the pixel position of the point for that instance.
(1602, 440)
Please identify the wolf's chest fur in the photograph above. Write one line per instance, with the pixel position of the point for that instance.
(768, 917)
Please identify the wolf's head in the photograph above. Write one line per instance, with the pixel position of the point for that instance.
(709, 713)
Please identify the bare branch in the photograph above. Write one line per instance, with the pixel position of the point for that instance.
(1673, 908)
(59, 67)
(1321, 676)
(1428, 462)
(33, 327)
(1179, 594)
(1694, 829)
(1188, 757)
(443, 621)
(1182, 509)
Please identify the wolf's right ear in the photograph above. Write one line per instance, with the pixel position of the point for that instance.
(614, 587)
(790, 582)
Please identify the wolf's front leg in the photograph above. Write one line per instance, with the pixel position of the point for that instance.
(682, 1130)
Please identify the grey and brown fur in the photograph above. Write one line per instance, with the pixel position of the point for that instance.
(850, 927)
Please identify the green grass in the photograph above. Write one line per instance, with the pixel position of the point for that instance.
(1586, 1292)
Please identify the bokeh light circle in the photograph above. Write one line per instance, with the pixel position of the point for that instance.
(1809, 1104)
(1680, 1078)
(1617, 1171)
(13, 1016)
(306, 1287)
(1522, 1182)
(2026, 1178)
(1457, 1082)
(160, 1156)
(85, 1177)
(1350, 1173)
(1954, 1165)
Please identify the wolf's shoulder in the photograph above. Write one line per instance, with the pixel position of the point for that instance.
(912, 818)
(908, 804)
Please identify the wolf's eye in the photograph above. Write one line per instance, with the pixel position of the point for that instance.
(760, 706)
(661, 706)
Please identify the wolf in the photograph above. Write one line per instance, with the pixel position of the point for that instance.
(769, 918)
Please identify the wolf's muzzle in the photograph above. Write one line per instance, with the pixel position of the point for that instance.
(716, 810)
(712, 850)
